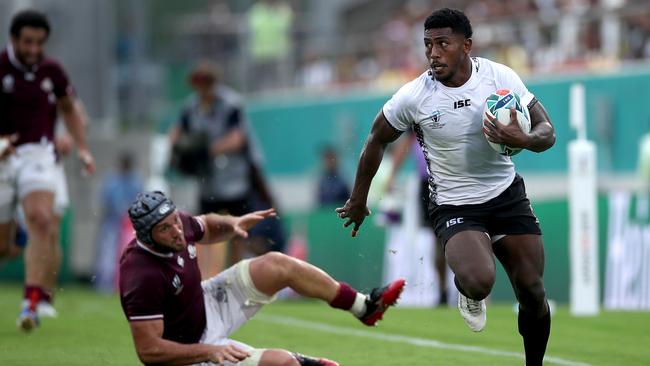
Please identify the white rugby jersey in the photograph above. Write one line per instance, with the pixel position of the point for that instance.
(448, 122)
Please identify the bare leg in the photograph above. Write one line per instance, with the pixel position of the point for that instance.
(40, 255)
(274, 271)
(277, 357)
(6, 240)
(469, 254)
(440, 265)
(55, 263)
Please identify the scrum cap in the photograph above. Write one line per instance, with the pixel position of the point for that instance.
(146, 211)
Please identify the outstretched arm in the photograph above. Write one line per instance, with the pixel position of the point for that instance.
(381, 134)
(220, 228)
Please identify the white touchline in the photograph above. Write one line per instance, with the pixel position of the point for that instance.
(422, 342)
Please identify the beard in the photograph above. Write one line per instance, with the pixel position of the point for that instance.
(27, 60)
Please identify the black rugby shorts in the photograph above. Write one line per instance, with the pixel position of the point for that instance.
(509, 213)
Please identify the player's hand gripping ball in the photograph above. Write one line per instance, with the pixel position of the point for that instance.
(498, 106)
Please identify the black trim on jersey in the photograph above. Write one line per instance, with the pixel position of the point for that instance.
(391, 125)
(532, 103)
(433, 193)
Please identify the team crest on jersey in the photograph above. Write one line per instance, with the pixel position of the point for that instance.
(180, 261)
(8, 83)
(433, 120)
(46, 85)
(191, 250)
(176, 282)
(220, 294)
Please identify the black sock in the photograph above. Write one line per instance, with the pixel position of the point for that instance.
(443, 297)
(535, 332)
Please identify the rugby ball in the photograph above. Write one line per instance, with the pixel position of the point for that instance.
(498, 105)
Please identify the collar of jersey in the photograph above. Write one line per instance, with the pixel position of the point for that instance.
(17, 64)
(163, 255)
(467, 84)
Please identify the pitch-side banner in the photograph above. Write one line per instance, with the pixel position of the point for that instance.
(627, 273)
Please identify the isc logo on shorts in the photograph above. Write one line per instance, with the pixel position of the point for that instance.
(454, 221)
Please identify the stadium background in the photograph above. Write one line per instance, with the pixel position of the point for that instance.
(342, 60)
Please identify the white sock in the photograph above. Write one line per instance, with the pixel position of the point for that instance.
(359, 306)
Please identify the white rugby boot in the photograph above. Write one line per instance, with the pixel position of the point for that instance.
(43, 309)
(474, 312)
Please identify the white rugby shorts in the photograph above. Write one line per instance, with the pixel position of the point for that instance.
(231, 299)
(31, 168)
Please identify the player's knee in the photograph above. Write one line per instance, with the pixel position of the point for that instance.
(531, 292)
(279, 263)
(271, 357)
(40, 218)
(478, 285)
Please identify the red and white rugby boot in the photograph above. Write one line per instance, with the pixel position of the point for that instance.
(380, 299)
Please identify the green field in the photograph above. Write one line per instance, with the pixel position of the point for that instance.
(91, 330)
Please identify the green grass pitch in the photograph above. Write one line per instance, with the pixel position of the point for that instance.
(91, 330)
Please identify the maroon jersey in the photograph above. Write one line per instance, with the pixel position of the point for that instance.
(168, 287)
(28, 97)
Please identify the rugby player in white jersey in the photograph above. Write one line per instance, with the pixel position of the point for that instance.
(478, 204)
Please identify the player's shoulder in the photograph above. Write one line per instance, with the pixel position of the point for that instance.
(414, 89)
(488, 68)
(421, 83)
(134, 258)
(52, 65)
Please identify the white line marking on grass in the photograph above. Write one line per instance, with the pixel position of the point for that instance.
(422, 342)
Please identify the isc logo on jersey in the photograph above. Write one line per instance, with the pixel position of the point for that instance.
(454, 221)
(498, 106)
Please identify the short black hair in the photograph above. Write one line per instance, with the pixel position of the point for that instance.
(449, 18)
(29, 18)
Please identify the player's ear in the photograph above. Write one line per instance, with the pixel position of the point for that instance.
(467, 45)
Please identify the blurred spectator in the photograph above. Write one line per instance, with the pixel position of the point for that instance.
(118, 190)
(270, 23)
(211, 142)
(317, 72)
(332, 189)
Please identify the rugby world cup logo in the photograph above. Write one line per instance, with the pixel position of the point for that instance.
(433, 120)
